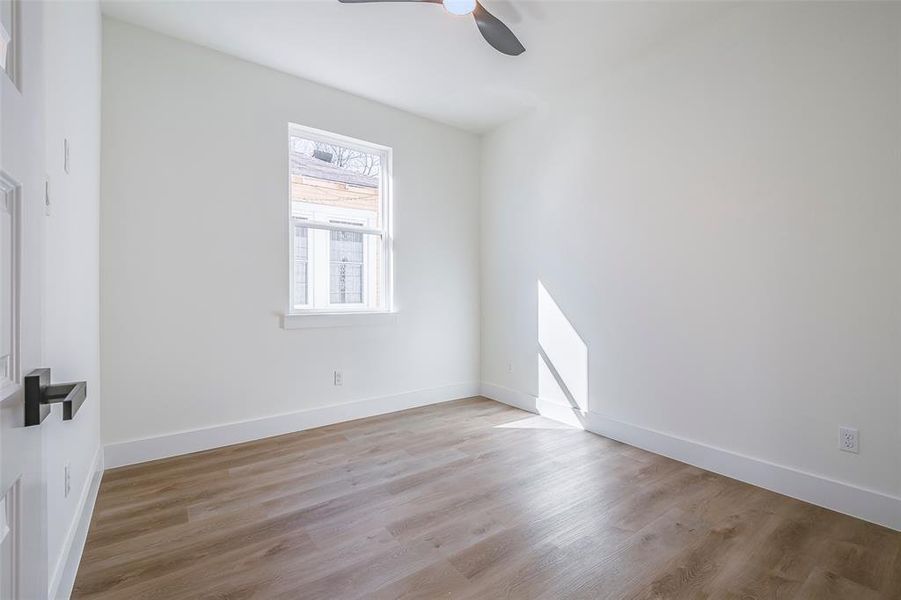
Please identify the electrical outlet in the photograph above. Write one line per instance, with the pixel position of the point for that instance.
(847, 440)
(67, 484)
(509, 367)
(339, 378)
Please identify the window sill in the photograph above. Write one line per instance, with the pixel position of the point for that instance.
(351, 319)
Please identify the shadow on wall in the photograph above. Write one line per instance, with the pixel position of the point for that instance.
(562, 360)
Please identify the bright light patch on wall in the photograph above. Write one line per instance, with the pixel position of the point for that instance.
(562, 356)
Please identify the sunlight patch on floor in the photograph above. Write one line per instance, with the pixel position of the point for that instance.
(536, 422)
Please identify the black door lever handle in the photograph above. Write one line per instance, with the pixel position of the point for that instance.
(40, 394)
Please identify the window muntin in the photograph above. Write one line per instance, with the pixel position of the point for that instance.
(340, 202)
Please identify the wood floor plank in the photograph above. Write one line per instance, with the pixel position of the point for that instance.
(439, 580)
(692, 571)
(826, 585)
(467, 500)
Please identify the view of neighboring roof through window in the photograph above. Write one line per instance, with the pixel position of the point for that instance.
(339, 215)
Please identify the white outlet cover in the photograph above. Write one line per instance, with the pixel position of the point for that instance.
(848, 440)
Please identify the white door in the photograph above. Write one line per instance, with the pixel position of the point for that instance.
(22, 155)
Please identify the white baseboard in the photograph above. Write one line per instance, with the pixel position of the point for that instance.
(870, 505)
(136, 451)
(63, 577)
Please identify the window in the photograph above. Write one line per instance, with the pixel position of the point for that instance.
(340, 223)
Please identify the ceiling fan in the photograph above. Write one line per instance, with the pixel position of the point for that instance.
(495, 33)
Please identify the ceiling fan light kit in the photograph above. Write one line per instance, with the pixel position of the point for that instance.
(459, 7)
(492, 29)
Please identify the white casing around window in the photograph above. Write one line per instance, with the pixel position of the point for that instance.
(321, 220)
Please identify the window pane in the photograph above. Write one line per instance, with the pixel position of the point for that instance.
(301, 243)
(329, 181)
(347, 246)
(300, 283)
(346, 269)
(346, 283)
(301, 264)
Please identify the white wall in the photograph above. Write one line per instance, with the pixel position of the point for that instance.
(71, 306)
(194, 238)
(718, 219)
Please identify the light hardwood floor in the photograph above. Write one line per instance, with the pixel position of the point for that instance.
(467, 499)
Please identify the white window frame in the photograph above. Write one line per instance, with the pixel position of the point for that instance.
(296, 316)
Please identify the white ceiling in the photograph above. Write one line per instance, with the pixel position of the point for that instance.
(418, 57)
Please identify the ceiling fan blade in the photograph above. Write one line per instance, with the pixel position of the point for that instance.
(496, 33)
